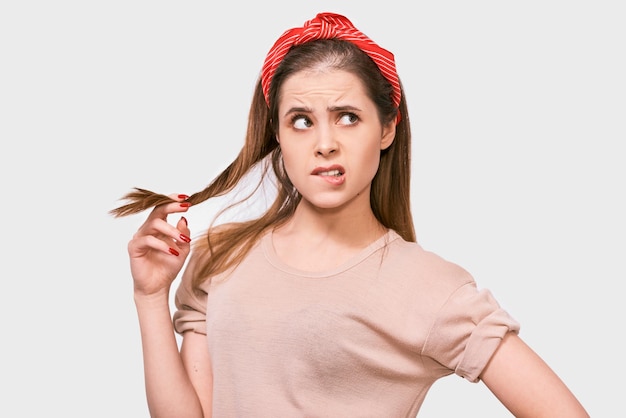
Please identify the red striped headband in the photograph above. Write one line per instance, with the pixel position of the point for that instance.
(329, 26)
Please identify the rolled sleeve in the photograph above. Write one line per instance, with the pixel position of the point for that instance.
(190, 313)
(468, 330)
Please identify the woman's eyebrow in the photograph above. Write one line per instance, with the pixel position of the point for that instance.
(298, 110)
(346, 108)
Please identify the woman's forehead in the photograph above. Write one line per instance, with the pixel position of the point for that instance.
(322, 83)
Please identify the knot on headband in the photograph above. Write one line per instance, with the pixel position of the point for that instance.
(329, 26)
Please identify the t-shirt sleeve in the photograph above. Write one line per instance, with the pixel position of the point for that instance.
(468, 330)
(190, 313)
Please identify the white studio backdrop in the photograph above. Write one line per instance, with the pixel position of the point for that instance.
(517, 112)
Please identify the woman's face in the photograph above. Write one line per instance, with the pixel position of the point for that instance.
(331, 137)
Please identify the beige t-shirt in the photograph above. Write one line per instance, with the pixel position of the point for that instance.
(365, 339)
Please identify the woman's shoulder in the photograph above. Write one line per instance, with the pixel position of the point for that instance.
(415, 260)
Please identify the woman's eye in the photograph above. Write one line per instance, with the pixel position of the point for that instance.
(348, 119)
(301, 122)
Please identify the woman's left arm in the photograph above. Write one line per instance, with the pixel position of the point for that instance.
(526, 385)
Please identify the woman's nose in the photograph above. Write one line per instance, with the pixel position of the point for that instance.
(326, 144)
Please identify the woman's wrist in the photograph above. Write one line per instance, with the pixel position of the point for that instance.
(152, 300)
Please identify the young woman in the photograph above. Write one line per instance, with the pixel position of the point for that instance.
(325, 305)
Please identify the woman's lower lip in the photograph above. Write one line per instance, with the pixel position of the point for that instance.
(334, 180)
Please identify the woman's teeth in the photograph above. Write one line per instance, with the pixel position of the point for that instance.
(330, 173)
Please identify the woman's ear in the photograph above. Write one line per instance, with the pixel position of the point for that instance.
(388, 135)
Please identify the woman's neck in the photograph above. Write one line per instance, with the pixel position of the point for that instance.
(347, 224)
(315, 238)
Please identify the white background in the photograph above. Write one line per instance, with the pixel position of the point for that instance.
(518, 114)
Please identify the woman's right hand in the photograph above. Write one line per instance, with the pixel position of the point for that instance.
(158, 250)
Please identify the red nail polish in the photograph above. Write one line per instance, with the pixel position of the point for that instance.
(183, 197)
(185, 205)
(185, 238)
(173, 252)
(184, 220)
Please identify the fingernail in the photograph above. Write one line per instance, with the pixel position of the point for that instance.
(185, 238)
(183, 197)
(185, 205)
(173, 252)
(184, 220)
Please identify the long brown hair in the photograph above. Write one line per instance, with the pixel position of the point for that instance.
(223, 248)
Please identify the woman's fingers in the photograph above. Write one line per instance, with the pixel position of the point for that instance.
(173, 238)
(161, 228)
(141, 246)
(158, 249)
(162, 211)
(183, 226)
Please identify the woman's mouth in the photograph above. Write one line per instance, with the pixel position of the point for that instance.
(335, 173)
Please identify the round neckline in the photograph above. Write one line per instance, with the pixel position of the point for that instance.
(273, 258)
